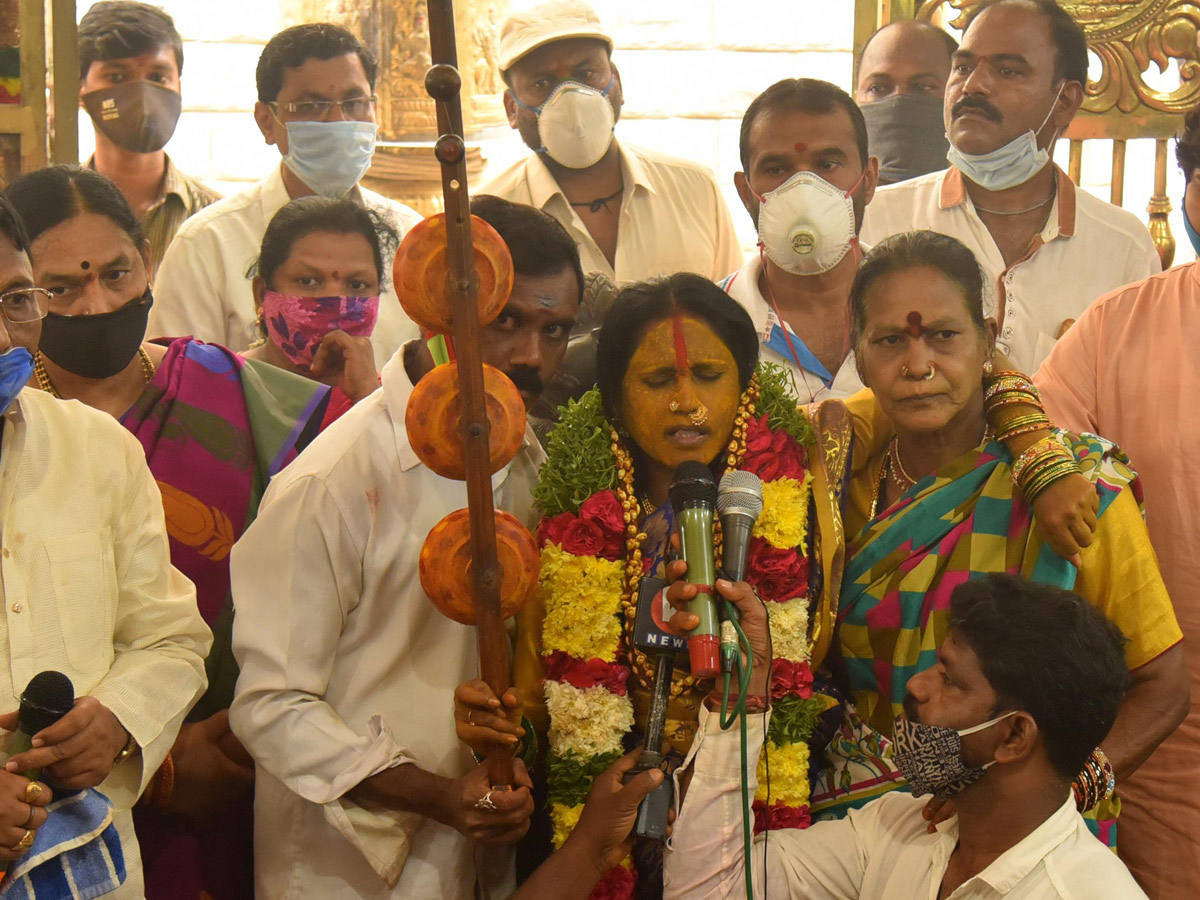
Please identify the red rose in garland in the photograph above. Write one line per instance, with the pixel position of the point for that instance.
(583, 537)
(775, 573)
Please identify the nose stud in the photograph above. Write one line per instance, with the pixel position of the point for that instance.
(673, 406)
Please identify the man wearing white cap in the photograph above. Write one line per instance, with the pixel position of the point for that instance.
(634, 213)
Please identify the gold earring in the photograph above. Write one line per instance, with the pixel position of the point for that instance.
(987, 367)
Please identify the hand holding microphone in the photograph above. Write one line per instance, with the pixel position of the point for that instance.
(694, 498)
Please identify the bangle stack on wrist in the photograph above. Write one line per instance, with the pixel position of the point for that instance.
(1008, 388)
(1095, 783)
(1041, 465)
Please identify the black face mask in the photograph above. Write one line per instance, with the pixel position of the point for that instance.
(907, 134)
(138, 116)
(96, 346)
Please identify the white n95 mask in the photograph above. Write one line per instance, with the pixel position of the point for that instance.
(806, 225)
(575, 124)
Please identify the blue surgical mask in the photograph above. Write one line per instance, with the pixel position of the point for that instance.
(1005, 167)
(330, 157)
(16, 366)
(1192, 234)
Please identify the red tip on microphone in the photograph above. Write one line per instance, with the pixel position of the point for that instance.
(704, 652)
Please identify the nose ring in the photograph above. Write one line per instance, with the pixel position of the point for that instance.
(699, 415)
(673, 406)
(932, 371)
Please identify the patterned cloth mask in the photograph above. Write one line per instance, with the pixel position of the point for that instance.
(930, 757)
(297, 325)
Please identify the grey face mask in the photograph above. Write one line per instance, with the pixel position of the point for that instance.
(907, 134)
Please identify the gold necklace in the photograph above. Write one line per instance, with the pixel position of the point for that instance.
(44, 382)
(896, 467)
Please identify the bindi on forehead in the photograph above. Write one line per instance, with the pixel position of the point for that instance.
(800, 146)
(915, 326)
(681, 357)
(85, 265)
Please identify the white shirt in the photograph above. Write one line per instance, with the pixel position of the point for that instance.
(1086, 249)
(810, 376)
(879, 852)
(673, 217)
(87, 587)
(347, 669)
(202, 290)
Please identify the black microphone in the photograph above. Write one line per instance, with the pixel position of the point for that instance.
(739, 503)
(47, 698)
(693, 497)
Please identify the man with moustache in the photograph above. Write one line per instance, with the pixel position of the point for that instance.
(1050, 249)
(347, 670)
(634, 213)
(806, 179)
(902, 73)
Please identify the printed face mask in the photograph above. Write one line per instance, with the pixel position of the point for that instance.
(930, 756)
(806, 225)
(575, 124)
(905, 133)
(330, 157)
(138, 116)
(297, 325)
(1005, 167)
(97, 346)
(16, 365)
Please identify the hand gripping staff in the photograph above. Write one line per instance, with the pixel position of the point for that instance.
(465, 420)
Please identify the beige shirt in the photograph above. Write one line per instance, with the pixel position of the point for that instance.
(673, 217)
(347, 669)
(202, 289)
(87, 587)
(1086, 248)
(879, 852)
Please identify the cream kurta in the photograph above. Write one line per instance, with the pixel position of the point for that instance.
(673, 217)
(1128, 370)
(346, 667)
(87, 587)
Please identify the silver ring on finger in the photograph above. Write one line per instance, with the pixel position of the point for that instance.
(29, 821)
(470, 712)
(486, 802)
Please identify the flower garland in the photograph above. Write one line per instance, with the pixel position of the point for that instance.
(591, 564)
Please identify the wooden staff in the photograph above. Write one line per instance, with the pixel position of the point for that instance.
(443, 83)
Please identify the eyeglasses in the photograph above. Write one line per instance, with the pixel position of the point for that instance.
(315, 110)
(23, 305)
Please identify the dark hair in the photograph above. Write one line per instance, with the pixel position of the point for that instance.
(119, 29)
(537, 241)
(11, 225)
(643, 303)
(1070, 43)
(1047, 652)
(911, 250)
(294, 46)
(48, 197)
(307, 215)
(806, 95)
(1187, 143)
(924, 27)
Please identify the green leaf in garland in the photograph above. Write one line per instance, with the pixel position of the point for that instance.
(569, 777)
(777, 401)
(794, 718)
(579, 457)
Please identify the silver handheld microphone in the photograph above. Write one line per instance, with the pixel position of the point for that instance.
(739, 503)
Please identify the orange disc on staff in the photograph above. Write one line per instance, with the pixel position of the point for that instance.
(420, 272)
(445, 566)
(434, 416)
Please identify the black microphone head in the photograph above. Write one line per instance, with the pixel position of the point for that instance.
(47, 698)
(692, 485)
(740, 493)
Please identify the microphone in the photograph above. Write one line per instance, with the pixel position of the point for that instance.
(693, 497)
(739, 503)
(47, 698)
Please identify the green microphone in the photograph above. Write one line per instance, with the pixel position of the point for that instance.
(693, 495)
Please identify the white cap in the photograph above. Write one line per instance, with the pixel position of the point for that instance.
(556, 20)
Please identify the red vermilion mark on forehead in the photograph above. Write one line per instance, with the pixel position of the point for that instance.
(561, 70)
(681, 362)
(800, 146)
(915, 328)
(336, 275)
